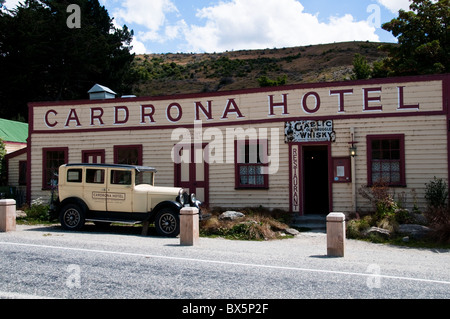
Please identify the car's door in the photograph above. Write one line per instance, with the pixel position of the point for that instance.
(94, 190)
(119, 190)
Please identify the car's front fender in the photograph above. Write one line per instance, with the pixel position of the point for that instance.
(165, 204)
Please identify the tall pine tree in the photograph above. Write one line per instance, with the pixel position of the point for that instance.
(44, 58)
(423, 35)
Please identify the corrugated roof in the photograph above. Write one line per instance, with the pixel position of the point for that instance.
(12, 131)
(100, 88)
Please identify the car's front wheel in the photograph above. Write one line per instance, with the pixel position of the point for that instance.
(72, 217)
(167, 223)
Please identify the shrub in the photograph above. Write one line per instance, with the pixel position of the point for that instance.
(387, 213)
(265, 81)
(382, 201)
(38, 210)
(438, 212)
(436, 193)
(355, 227)
(258, 224)
(441, 232)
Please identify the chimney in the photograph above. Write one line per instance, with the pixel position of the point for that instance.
(100, 92)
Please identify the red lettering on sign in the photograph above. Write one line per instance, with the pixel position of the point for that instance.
(368, 99)
(231, 108)
(169, 115)
(341, 97)
(73, 116)
(207, 112)
(97, 116)
(305, 105)
(283, 104)
(126, 114)
(401, 103)
(46, 118)
(147, 115)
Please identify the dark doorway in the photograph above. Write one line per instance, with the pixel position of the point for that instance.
(316, 182)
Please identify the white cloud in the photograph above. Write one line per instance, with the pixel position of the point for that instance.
(150, 14)
(395, 5)
(255, 24)
(138, 47)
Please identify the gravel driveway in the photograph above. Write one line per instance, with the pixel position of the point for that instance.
(216, 268)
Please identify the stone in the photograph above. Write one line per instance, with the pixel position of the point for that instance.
(231, 215)
(413, 230)
(377, 230)
(291, 231)
(419, 219)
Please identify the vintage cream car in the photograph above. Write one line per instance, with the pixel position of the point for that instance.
(105, 193)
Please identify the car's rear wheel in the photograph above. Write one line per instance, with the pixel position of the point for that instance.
(72, 217)
(167, 223)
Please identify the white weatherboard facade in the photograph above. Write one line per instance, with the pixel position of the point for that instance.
(282, 148)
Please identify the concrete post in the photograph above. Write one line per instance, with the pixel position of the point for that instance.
(336, 234)
(189, 226)
(7, 215)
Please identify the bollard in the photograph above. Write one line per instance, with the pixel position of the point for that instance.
(7, 215)
(189, 226)
(336, 234)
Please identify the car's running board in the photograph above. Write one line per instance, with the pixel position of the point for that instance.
(131, 222)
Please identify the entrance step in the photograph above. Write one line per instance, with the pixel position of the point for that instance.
(314, 222)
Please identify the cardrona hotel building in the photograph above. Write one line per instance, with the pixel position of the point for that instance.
(305, 148)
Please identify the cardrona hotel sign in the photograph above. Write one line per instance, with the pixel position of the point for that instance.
(295, 106)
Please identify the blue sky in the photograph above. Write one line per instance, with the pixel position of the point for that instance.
(163, 26)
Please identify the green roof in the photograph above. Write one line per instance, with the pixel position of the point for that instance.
(12, 131)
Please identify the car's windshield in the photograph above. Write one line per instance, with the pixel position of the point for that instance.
(144, 177)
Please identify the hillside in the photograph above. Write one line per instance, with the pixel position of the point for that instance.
(166, 74)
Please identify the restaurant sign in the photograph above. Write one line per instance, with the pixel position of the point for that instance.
(309, 131)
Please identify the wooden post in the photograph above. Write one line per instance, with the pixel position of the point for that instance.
(336, 234)
(189, 226)
(7, 215)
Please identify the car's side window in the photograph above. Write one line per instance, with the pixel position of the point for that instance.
(74, 175)
(95, 176)
(120, 177)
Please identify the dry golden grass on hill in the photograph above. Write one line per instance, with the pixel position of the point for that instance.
(179, 73)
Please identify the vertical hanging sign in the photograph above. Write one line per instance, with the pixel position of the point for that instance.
(295, 179)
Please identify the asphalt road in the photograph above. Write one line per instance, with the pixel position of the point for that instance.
(46, 262)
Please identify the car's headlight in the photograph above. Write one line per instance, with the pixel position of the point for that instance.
(192, 198)
(181, 197)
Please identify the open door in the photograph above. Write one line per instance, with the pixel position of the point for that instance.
(310, 173)
(316, 180)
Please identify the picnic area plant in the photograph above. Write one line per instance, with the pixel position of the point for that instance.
(37, 211)
(258, 224)
(438, 212)
(387, 212)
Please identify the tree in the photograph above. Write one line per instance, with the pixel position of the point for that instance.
(424, 39)
(265, 81)
(44, 58)
(361, 68)
(2, 162)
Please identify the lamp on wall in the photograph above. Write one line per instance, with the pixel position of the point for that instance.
(353, 147)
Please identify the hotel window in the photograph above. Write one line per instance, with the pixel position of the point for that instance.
(53, 158)
(251, 164)
(128, 154)
(386, 159)
(22, 173)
